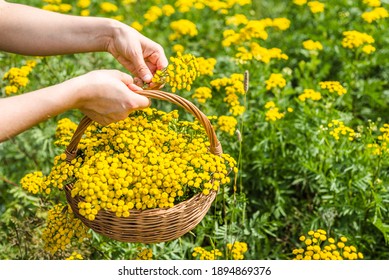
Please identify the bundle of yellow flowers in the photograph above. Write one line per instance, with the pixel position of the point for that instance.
(181, 72)
(149, 160)
(318, 246)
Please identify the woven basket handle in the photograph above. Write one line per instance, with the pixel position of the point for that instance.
(215, 146)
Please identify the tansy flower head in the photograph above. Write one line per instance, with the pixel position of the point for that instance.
(354, 39)
(372, 3)
(227, 124)
(180, 73)
(233, 87)
(75, 256)
(316, 7)
(237, 250)
(203, 254)
(108, 7)
(202, 94)
(375, 15)
(300, 2)
(83, 4)
(381, 143)
(309, 94)
(321, 247)
(152, 14)
(18, 77)
(273, 113)
(144, 254)
(275, 81)
(35, 182)
(333, 86)
(61, 228)
(312, 45)
(338, 130)
(181, 28)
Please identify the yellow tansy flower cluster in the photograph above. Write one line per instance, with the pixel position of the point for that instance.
(178, 48)
(203, 254)
(317, 246)
(144, 254)
(155, 12)
(273, 112)
(57, 6)
(181, 72)
(333, 86)
(275, 81)
(300, 2)
(108, 7)
(227, 124)
(17, 78)
(237, 250)
(83, 4)
(310, 94)
(368, 49)
(74, 256)
(259, 53)
(354, 39)
(254, 29)
(152, 14)
(184, 6)
(149, 160)
(215, 5)
(61, 228)
(233, 87)
(372, 3)
(382, 141)
(237, 20)
(234, 251)
(311, 45)
(224, 6)
(202, 94)
(316, 7)
(338, 129)
(281, 23)
(35, 182)
(64, 131)
(376, 14)
(137, 25)
(206, 65)
(181, 28)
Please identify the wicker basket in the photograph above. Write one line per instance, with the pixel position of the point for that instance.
(152, 225)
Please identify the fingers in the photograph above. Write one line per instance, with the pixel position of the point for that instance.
(137, 101)
(138, 82)
(112, 96)
(158, 58)
(141, 69)
(147, 59)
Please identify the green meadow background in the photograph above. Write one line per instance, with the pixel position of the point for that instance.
(312, 154)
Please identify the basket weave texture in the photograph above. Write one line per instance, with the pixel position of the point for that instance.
(151, 225)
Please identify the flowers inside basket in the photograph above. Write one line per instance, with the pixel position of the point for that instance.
(149, 178)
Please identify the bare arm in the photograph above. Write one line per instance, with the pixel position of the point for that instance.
(105, 96)
(32, 31)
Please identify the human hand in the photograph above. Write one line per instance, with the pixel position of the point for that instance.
(139, 54)
(107, 96)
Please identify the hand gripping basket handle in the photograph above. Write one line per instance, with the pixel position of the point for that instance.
(215, 146)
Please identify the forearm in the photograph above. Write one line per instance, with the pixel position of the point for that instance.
(18, 113)
(32, 31)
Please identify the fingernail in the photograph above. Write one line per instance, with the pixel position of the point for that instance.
(147, 78)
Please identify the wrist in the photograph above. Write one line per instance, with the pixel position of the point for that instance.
(119, 33)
